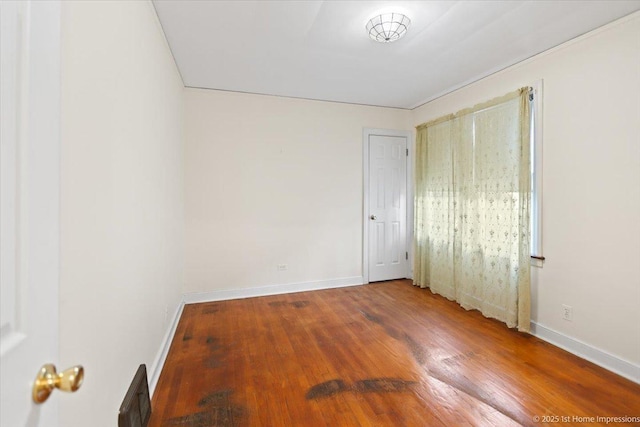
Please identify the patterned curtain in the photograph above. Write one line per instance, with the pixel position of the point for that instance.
(472, 206)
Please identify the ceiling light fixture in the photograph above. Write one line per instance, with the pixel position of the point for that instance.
(388, 27)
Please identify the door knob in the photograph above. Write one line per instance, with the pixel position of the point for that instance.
(373, 217)
(48, 379)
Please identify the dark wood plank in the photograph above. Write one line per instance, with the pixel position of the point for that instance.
(384, 354)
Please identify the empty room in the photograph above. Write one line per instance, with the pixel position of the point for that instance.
(320, 213)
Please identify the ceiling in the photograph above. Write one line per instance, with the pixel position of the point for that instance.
(320, 49)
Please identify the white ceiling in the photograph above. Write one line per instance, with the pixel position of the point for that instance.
(320, 49)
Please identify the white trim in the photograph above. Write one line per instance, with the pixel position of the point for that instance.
(366, 133)
(411, 146)
(365, 203)
(161, 357)
(230, 294)
(536, 205)
(587, 352)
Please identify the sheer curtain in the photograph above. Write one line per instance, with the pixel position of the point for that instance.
(472, 206)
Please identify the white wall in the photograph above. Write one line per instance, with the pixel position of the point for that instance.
(273, 181)
(591, 180)
(122, 186)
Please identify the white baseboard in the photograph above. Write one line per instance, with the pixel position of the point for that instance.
(588, 352)
(158, 363)
(229, 294)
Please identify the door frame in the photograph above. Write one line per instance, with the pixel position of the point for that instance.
(366, 134)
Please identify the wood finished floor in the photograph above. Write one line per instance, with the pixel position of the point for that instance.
(384, 354)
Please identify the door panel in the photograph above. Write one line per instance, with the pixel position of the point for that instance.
(29, 193)
(387, 207)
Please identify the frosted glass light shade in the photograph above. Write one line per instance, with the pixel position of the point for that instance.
(388, 27)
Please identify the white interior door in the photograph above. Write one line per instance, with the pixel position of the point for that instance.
(387, 207)
(29, 193)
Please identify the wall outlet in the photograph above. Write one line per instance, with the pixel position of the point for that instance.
(282, 267)
(567, 312)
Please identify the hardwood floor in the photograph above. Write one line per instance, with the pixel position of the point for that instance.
(384, 354)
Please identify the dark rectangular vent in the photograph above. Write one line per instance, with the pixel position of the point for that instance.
(135, 410)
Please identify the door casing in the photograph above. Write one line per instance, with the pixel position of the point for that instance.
(366, 134)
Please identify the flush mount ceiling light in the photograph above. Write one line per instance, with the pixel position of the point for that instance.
(388, 27)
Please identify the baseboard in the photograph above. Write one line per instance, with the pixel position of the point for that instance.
(158, 363)
(588, 352)
(229, 294)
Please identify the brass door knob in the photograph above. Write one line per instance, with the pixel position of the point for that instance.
(48, 379)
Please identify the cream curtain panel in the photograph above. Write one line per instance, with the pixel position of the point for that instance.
(472, 205)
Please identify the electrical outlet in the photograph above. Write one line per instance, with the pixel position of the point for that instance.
(282, 267)
(567, 312)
